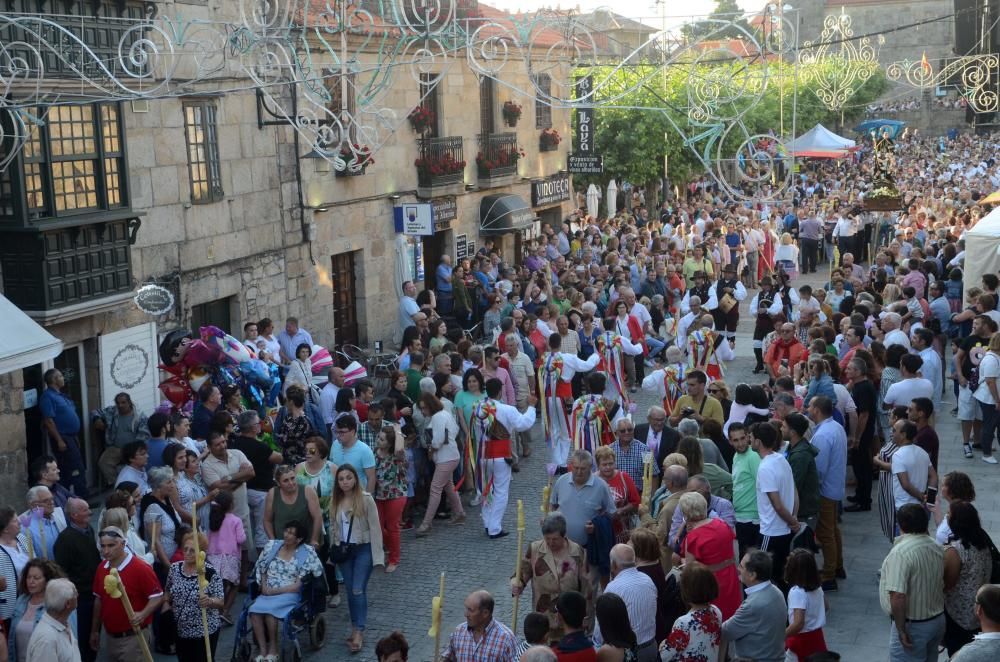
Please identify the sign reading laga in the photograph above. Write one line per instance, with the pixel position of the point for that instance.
(585, 117)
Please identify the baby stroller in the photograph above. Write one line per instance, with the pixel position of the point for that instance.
(307, 615)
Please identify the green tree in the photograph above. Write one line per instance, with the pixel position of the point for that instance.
(725, 10)
(646, 115)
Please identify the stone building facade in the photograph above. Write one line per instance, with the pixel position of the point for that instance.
(255, 228)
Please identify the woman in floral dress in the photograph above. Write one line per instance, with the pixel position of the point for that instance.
(280, 570)
(697, 635)
(391, 487)
(552, 565)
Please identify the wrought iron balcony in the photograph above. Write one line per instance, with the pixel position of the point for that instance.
(441, 161)
(498, 155)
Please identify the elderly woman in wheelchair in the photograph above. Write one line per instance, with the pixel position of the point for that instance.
(281, 570)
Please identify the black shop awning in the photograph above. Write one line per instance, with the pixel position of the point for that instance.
(504, 212)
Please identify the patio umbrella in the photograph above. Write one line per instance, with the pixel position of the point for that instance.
(612, 198)
(593, 200)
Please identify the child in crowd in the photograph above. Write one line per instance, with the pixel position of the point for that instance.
(225, 536)
(806, 610)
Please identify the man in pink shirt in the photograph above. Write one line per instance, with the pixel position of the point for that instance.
(492, 370)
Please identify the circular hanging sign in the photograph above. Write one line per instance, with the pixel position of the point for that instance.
(154, 299)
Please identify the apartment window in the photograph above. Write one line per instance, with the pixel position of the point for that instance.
(429, 98)
(543, 92)
(213, 313)
(487, 105)
(342, 101)
(72, 162)
(201, 132)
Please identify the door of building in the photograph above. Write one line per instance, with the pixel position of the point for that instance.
(71, 364)
(345, 309)
(433, 250)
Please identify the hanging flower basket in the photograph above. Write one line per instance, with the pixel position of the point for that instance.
(421, 118)
(439, 169)
(501, 161)
(549, 140)
(358, 159)
(511, 113)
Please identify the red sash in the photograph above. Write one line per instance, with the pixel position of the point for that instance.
(498, 449)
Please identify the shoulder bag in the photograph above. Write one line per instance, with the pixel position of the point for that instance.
(344, 550)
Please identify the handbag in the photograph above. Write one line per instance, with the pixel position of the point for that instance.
(343, 551)
(994, 563)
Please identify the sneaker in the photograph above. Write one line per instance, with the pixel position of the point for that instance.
(841, 573)
(989, 459)
(830, 586)
(967, 449)
(476, 500)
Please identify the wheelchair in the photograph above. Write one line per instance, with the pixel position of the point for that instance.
(305, 622)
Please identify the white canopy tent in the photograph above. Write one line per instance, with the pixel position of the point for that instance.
(820, 142)
(982, 250)
(25, 343)
(612, 199)
(593, 200)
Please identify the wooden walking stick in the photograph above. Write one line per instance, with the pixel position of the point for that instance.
(114, 587)
(199, 562)
(517, 559)
(435, 630)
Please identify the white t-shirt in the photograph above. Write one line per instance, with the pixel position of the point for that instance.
(774, 475)
(809, 601)
(903, 392)
(845, 401)
(989, 366)
(914, 461)
(897, 337)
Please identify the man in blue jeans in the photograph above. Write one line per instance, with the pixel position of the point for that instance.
(62, 423)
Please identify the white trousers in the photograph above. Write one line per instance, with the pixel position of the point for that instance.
(494, 508)
(559, 452)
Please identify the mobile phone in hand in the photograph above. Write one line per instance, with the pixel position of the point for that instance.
(931, 495)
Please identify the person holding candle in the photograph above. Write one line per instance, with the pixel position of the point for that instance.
(188, 601)
(553, 565)
(145, 596)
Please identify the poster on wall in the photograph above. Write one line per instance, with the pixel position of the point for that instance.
(461, 246)
(414, 219)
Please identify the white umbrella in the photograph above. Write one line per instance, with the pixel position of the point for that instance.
(593, 200)
(403, 268)
(612, 198)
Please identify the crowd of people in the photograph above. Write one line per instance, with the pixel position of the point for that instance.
(708, 525)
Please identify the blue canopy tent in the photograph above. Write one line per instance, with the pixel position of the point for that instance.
(893, 127)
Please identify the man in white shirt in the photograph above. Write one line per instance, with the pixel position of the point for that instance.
(522, 373)
(52, 639)
(910, 386)
(844, 233)
(328, 396)
(777, 500)
(408, 306)
(638, 592)
(893, 335)
(912, 471)
(923, 344)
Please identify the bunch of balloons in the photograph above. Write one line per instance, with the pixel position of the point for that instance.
(222, 359)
